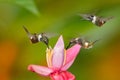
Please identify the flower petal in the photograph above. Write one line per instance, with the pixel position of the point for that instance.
(41, 70)
(66, 66)
(69, 75)
(62, 76)
(49, 53)
(56, 77)
(71, 54)
(58, 54)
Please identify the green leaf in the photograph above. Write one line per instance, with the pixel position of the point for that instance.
(29, 5)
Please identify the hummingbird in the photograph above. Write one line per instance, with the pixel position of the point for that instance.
(84, 43)
(97, 20)
(35, 38)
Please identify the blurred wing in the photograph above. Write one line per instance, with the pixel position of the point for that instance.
(85, 16)
(50, 35)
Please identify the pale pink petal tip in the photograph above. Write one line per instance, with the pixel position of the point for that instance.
(41, 70)
(60, 42)
(58, 53)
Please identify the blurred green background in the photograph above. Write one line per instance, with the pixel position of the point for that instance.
(102, 62)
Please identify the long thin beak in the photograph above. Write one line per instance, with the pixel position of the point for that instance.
(26, 30)
(109, 18)
(95, 41)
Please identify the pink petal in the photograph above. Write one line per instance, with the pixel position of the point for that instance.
(41, 70)
(62, 76)
(69, 75)
(56, 77)
(66, 66)
(71, 54)
(58, 54)
(48, 57)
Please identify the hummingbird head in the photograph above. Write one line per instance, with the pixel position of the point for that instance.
(33, 38)
(91, 17)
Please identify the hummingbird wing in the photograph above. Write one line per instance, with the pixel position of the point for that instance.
(49, 34)
(85, 16)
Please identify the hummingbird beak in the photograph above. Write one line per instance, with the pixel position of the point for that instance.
(92, 43)
(109, 18)
(26, 30)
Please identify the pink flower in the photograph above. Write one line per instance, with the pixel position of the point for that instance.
(58, 60)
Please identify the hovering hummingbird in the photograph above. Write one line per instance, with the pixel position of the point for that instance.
(84, 43)
(97, 20)
(35, 38)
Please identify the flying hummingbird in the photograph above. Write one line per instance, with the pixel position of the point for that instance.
(35, 38)
(97, 20)
(84, 43)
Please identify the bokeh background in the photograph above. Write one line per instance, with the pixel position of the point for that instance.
(102, 62)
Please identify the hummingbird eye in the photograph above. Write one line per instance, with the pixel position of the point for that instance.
(91, 16)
